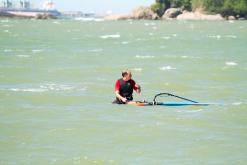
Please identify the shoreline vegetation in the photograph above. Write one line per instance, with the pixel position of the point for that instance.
(188, 10)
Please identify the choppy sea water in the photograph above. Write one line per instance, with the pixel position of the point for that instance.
(57, 79)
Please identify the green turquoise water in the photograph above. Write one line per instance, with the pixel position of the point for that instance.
(57, 83)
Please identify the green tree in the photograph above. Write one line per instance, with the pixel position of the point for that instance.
(158, 8)
(240, 8)
(228, 8)
(197, 4)
(167, 3)
(213, 5)
(186, 4)
(224, 7)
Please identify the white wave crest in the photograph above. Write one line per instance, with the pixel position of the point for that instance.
(237, 103)
(138, 56)
(28, 90)
(36, 50)
(7, 50)
(167, 68)
(137, 69)
(194, 111)
(56, 87)
(231, 36)
(166, 37)
(110, 36)
(230, 63)
(149, 24)
(96, 50)
(5, 21)
(23, 56)
(48, 87)
(215, 36)
(86, 19)
(56, 22)
(125, 42)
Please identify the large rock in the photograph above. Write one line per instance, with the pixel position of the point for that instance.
(172, 13)
(198, 16)
(231, 17)
(144, 13)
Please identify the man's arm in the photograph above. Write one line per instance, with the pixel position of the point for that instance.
(138, 88)
(120, 97)
(117, 93)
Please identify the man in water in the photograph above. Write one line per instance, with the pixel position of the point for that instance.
(124, 88)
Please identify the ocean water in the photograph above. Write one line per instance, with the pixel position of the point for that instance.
(57, 84)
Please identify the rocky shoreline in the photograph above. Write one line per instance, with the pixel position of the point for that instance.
(170, 14)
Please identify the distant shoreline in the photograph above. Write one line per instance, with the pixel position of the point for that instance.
(140, 13)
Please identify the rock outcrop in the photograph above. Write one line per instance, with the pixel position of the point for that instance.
(198, 16)
(139, 13)
(172, 13)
